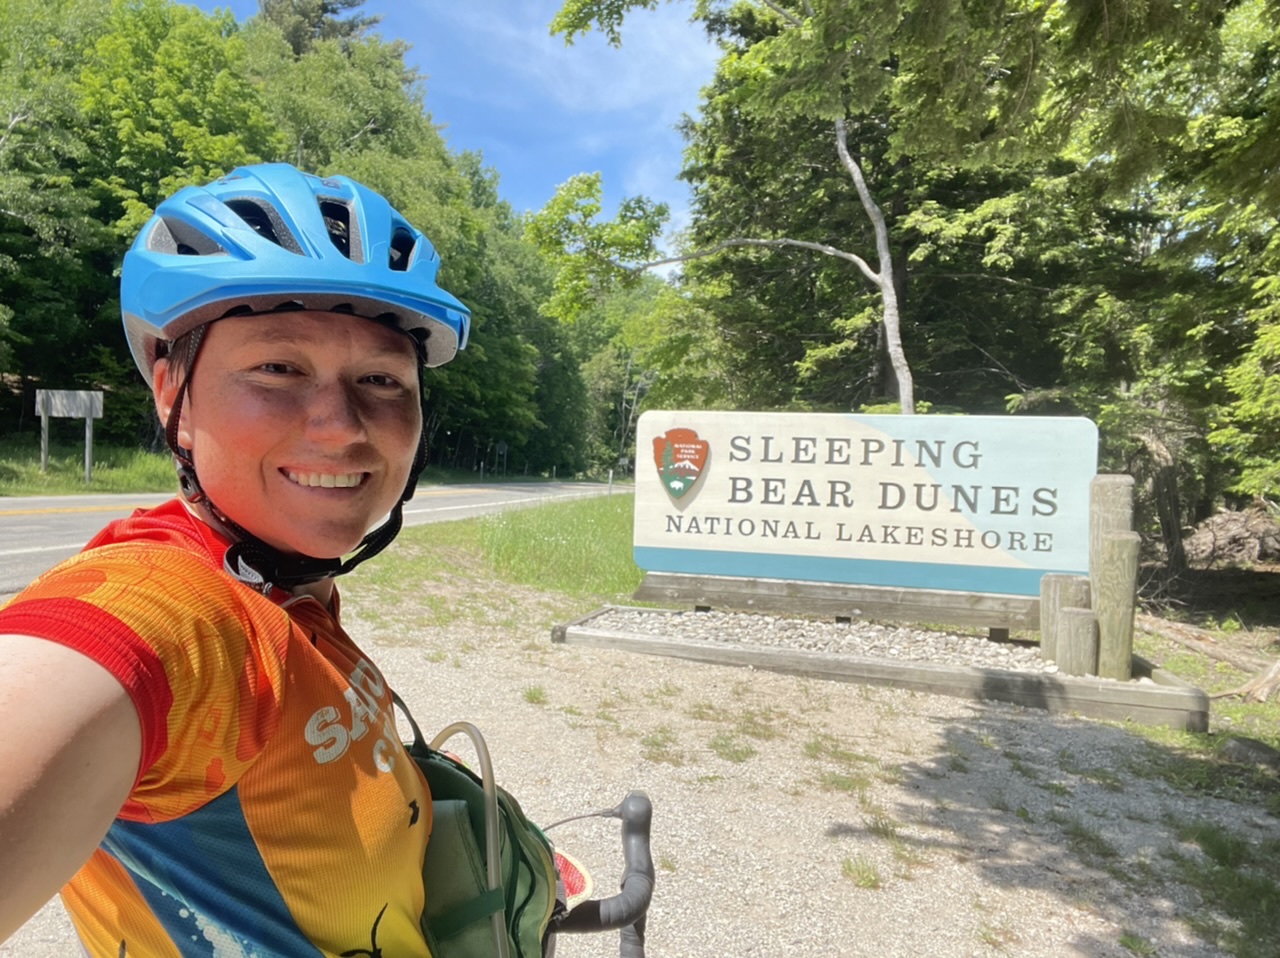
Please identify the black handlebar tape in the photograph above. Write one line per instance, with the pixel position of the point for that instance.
(630, 904)
(632, 944)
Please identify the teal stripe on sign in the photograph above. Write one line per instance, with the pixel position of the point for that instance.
(909, 575)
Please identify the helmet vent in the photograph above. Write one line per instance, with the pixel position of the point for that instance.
(263, 219)
(174, 236)
(343, 233)
(402, 245)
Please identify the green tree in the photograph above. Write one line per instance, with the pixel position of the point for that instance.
(961, 83)
(54, 264)
(339, 99)
(304, 22)
(168, 103)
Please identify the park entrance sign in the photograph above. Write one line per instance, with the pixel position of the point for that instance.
(982, 504)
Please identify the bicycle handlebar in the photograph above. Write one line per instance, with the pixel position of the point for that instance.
(625, 910)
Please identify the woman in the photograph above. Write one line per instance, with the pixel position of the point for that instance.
(217, 770)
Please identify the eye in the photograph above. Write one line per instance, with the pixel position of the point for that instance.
(277, 369)
(381, 379)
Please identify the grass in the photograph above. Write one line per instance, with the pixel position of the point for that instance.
(116, 469)
(1137, 945)
(659, 746)
(577, 555)
(862, 872)
(1235, 878)
(730, 748)
(577, 548)
(1087, 842)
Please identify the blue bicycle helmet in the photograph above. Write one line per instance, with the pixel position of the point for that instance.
(270, 237)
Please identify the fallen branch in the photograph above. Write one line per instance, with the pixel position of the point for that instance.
(1260, 688)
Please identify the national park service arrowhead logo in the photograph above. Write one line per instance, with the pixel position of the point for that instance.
(680, 457)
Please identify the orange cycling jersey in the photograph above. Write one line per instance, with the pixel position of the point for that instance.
(275, 811)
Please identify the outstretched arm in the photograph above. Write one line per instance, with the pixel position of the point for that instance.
(70, 744)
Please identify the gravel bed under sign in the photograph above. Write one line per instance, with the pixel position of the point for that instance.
(871, 640)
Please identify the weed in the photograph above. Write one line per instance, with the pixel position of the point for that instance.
(907, 855)
(706, 712)
(730, 749)
(1136, 944)
(836, 782)
(535, 695)
(758, 724)
(892, 774)
(1016, 763)
(997, 938)
(882, 826)
(862, 872)
(1084, 840)
(666, 863)
(827, 747)
(660, 746)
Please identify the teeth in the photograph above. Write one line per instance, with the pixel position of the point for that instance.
(327, 480)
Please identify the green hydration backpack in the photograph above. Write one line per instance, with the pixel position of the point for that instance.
(491, 884)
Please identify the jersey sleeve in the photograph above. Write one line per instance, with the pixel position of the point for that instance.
(201, 656)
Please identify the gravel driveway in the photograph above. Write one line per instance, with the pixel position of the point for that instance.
(798, 817)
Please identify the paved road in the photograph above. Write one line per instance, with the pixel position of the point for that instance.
(37, 532)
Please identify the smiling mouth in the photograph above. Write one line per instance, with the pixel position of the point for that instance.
(327, 480)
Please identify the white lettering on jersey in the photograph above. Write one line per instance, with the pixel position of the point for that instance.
(333, 731)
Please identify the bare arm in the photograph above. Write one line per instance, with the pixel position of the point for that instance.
(70, 744)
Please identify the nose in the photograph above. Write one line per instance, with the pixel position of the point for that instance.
(333, 414)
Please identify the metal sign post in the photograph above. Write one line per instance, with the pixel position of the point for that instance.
(68, 404)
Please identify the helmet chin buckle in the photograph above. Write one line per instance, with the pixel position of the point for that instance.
(188, 483)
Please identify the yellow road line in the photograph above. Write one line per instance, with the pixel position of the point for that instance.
(41, 512)
(55, 510)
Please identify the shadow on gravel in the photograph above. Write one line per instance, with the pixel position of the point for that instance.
(1085, 814)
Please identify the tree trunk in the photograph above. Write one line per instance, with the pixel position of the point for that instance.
(1164, 491)
(885, 278)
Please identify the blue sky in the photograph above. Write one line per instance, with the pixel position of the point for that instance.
(539, 111)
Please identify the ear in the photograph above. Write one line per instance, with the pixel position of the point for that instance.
(164, 388)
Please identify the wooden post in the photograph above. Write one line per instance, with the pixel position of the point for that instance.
(1058, 591)
(1114, 604)
(1112, 583)
(68, 404)
(44, 439)
(1077, 642)
(1110, 510)
(88, 450)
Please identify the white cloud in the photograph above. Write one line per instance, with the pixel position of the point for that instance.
(662, 63)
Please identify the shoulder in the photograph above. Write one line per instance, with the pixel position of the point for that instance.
(184, 638)
(143, 592)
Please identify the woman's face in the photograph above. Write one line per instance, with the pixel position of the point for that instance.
(303, 426)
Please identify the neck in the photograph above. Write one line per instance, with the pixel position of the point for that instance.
(321, 591)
